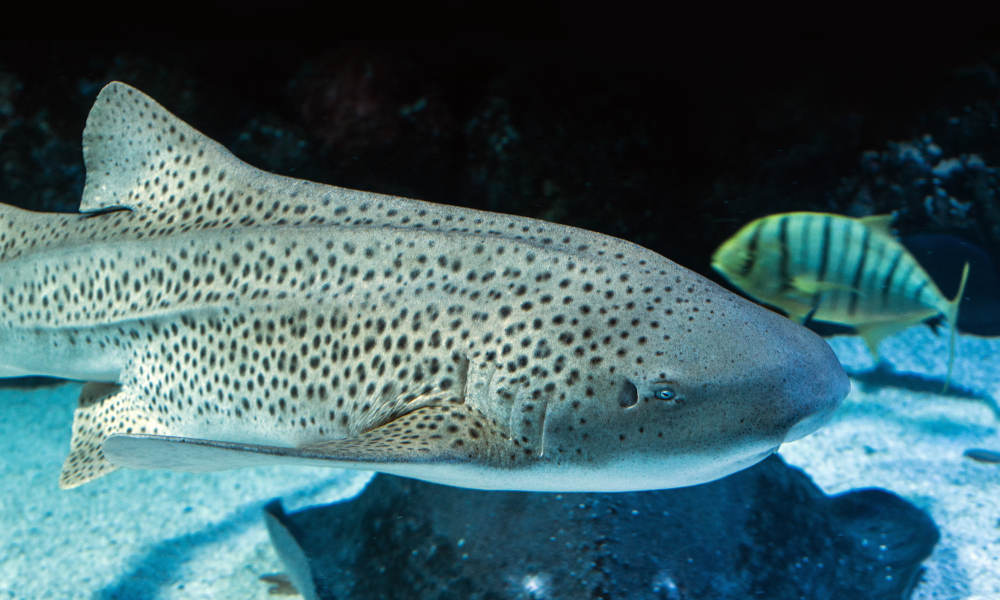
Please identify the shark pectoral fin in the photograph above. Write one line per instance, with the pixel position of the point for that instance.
(952, 314)
(874, 333)
(99, 404)
(445, 433)
(178, 453)
(438, 433)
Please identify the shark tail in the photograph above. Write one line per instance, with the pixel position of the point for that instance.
(22, 230)
(102, 410)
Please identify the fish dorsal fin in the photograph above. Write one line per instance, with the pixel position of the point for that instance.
(880, 223)
(433, 434)
(140, 156)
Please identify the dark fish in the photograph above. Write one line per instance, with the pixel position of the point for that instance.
(982, 455)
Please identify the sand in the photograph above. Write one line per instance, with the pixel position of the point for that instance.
(134, 534)
(896, 430)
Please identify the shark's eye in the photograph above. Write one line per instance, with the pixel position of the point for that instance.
(665, 393)
(629, 396)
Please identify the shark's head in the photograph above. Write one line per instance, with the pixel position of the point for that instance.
(689, 388)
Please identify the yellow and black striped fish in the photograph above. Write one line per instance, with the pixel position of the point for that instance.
(837, 269)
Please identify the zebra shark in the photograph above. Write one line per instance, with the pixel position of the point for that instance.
(222, 316)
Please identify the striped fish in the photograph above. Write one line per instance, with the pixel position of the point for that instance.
(836, 269)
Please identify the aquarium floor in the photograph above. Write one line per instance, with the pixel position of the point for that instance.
(134, 534)
(143, 534)
(897, 431)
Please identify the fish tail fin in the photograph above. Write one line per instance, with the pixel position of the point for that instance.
(952, 314)
(102, 410)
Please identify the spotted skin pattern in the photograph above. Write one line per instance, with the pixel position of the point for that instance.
(208, 300)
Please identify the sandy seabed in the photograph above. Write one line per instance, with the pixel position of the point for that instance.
(898, 431)
(134, 534)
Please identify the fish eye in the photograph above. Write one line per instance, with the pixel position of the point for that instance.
(629, 395)
(665, 393)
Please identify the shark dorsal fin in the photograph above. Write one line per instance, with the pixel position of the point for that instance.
(140, 156)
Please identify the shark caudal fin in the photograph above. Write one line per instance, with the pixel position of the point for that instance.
(952, 315)
(102, 410)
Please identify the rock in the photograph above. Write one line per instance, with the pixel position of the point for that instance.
(767, 532)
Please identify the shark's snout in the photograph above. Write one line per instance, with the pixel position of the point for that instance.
(808, 425)
(831, 392)
(773, 381)
(814, 387)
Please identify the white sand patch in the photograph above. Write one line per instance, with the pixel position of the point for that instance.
(134, 534)
(897, 431)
